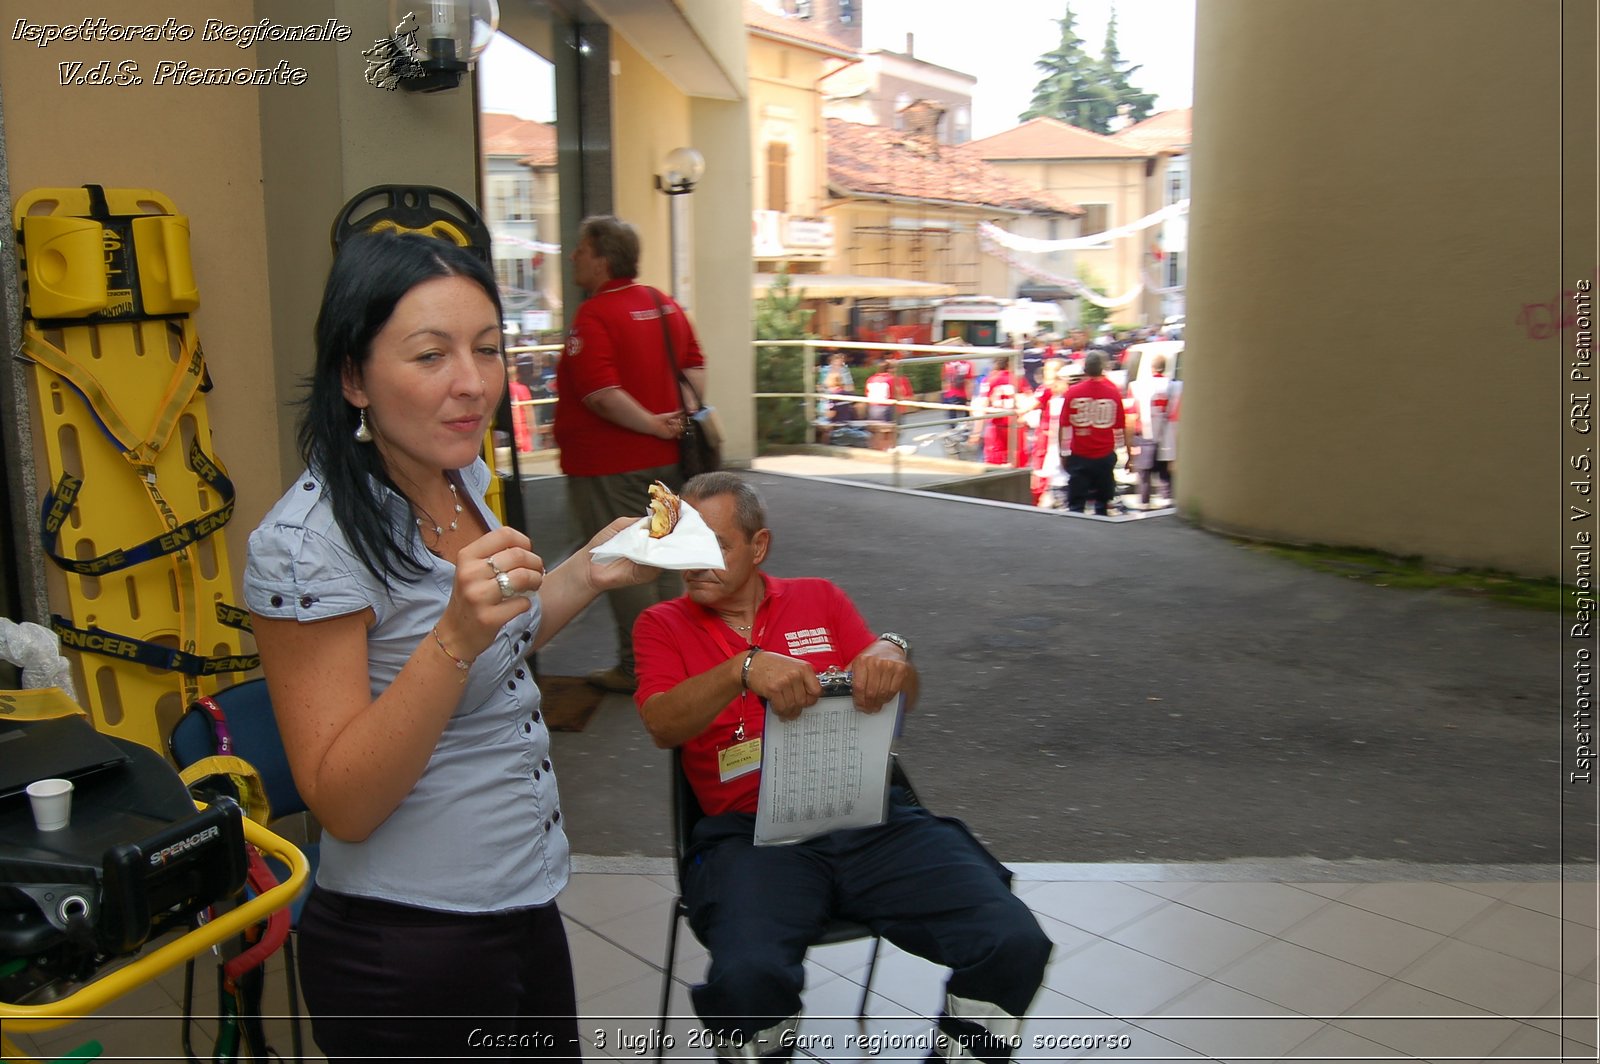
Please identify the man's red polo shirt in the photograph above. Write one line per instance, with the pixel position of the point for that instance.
(807, 618)
(616, 342)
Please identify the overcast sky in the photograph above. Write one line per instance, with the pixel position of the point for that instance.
(999, 51)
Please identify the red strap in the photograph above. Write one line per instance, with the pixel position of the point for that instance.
(261, 880)
(219, 724)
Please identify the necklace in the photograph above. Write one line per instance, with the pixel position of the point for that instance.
(438, 529)
(744, 629)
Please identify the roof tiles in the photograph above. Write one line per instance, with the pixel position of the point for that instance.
(794, 30)
(1051, 138)
(878, 162)
(1164, 131)
(533, 143)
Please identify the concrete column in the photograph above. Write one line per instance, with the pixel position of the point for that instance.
(1378, 203)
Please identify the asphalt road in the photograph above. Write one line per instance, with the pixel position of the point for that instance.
(1150, 692)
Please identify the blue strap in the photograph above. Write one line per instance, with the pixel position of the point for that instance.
(95, 640)
(59, 503)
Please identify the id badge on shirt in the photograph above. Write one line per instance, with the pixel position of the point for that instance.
(738, 758)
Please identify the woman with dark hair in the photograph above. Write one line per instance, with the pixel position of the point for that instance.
(394, 615)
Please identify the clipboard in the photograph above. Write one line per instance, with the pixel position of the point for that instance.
(826, 770)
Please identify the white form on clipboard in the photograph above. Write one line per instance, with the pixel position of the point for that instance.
(825, 770)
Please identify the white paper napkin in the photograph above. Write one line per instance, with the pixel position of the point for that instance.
(692, 545)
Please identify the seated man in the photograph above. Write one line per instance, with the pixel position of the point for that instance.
(707, 661)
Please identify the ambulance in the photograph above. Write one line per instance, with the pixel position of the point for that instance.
(987, 321)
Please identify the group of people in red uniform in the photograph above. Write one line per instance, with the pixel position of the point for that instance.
(1068, 429)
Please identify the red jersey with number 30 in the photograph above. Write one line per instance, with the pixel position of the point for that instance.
(1093, 416)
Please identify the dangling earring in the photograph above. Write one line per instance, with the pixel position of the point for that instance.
(363, 434)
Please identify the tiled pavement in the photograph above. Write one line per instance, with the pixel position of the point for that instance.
(1153, 962)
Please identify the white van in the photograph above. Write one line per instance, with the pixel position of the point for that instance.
(988, 321)
(1137, 361)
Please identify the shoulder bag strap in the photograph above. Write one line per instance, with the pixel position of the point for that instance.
(672, 356)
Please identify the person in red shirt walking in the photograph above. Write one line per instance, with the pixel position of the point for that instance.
(619, 410)
(956, 376)
(883, 388)
(1000, 438)
(1050, 403)
(1094, 425)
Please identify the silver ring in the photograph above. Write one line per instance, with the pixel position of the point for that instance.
(503, 582)
(493, 568)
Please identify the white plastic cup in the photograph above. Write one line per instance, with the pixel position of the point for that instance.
(52, 804)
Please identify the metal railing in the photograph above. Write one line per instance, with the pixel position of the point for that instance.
(926, 354)
(530, 408)
(910, 355)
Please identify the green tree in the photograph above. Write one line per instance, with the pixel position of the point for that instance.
(1117, 88)
(779, 316)
(1069, 73)
(1084, 91)
(1091, 315)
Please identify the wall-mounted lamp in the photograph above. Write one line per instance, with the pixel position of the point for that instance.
(433, 44)
(680, 171)
(677, 175)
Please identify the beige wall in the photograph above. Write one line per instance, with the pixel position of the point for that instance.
(201, 148)
(322, 146)
(261, 174)
(650, 118)
(721, 217)
(1155, 191)
(1118, 182)
(785, 107)
(1361, 250)
(876, 254)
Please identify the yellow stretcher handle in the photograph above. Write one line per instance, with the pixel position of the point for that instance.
(101, 992)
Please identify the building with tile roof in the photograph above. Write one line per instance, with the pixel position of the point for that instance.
(1165, 135)
(877, 90)
(521, 207)
(871, 220)
(905, 205)
(878, 163)
(1117, 179)
(770, 21)
(1165, 132)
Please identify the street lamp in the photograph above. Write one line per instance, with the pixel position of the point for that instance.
(679, 172)
(433, 44)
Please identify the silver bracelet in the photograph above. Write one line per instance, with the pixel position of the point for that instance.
(744, 671)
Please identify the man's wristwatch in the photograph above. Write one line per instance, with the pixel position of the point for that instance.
(898, 640)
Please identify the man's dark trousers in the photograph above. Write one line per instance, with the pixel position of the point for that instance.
(922, 882)
(1091, 480)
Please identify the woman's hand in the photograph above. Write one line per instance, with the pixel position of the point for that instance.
(574, 583)
(603, 576)
(496, 576)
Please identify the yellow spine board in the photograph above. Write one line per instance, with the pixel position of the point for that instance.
(494, 497)
(143, 369)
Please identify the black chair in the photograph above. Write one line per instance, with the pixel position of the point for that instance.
(247, 730)
(686, 812)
